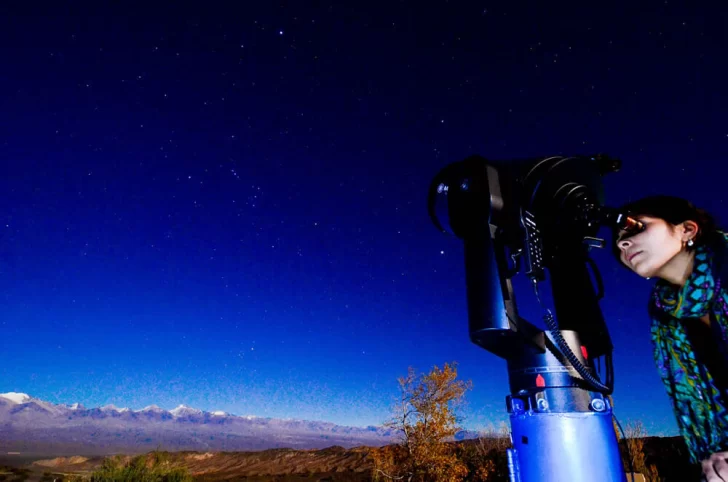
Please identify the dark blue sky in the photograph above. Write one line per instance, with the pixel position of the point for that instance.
(226, 207)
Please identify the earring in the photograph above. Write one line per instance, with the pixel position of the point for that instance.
(690, 242)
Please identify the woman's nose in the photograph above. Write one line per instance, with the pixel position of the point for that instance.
(625, 243)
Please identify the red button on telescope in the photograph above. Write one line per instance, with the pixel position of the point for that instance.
(540, 382)
(583, 352)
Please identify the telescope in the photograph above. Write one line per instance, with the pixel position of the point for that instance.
(536, 217)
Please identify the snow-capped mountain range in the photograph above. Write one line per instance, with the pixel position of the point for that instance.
(28, 424)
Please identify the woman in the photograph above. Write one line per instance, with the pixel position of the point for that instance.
(681, 246)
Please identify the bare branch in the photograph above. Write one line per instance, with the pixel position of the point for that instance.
(391, 476)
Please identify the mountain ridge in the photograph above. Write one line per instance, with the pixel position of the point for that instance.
(31, 425)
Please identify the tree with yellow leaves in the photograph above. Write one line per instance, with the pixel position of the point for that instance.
(425, 419)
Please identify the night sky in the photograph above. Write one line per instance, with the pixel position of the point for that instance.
(225, 207)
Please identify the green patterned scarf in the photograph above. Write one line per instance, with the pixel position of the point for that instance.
(698, 406)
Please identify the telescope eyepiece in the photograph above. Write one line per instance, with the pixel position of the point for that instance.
(629, 224)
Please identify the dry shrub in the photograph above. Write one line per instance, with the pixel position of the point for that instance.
(425, 418)
(485, 457)
(634, 446)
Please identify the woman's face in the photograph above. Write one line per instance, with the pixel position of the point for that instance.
(648, 251)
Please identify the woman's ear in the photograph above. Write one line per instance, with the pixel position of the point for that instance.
(688, 230)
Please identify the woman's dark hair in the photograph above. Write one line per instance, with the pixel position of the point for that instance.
(673, 210)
